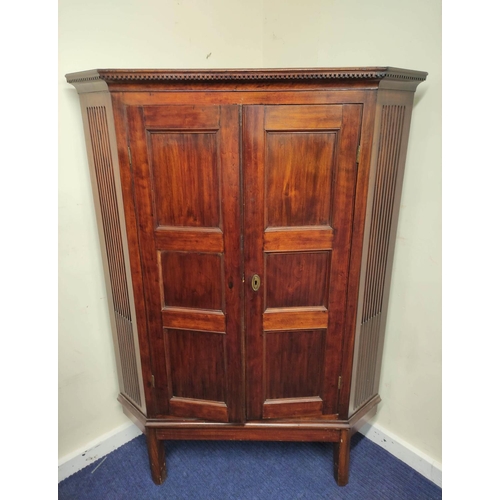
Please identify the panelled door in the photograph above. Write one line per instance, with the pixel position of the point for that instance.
(264, 302)
(299, 187)
(186, 168)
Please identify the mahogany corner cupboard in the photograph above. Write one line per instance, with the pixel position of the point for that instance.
(248, 221)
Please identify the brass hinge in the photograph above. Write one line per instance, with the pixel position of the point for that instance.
(340, 382)
(153, 380)
(129, 157)
(358, 152)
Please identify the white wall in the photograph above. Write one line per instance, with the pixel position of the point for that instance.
(277, 33)
(101, 34)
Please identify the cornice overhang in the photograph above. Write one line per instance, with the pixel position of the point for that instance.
(97, 80)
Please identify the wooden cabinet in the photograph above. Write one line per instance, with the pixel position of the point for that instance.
(247, 221)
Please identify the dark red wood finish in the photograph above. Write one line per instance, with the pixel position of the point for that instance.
(156, 450)
(299, 175)
(205, 178)
(185, 164)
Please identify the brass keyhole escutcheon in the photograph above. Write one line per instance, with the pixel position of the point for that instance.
(255, 282)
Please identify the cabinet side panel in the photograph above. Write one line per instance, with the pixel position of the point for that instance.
(389, 155)
(99, 133)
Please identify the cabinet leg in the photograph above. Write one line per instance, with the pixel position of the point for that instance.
(341, 452)
(156, 450)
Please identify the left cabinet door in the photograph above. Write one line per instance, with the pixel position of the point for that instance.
(185, 163)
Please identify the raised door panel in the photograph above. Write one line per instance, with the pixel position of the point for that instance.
(296, 279)
(299, 186)
(187, 193)
(185, 163)
(298, 177)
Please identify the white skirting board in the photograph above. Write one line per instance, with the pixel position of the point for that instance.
(97, 449)
(109, 442)
(422, 463)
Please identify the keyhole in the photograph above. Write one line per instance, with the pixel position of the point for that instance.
(255, 282)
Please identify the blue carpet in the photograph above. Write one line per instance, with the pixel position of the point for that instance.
(219, 470)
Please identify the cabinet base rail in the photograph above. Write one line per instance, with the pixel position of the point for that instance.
(338, 432)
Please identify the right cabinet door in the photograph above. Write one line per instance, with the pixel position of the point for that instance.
(299, 178)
